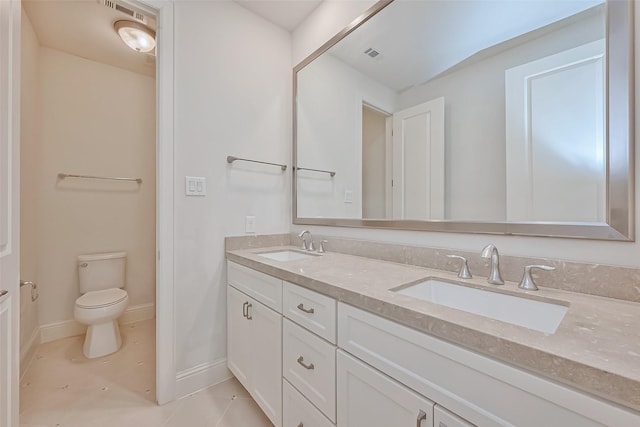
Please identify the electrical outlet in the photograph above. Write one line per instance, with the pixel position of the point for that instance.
(250, 224)
(195, 186)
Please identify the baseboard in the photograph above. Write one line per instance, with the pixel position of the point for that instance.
(29, 351)
(69, 328)
(138, 313)
(200, 377)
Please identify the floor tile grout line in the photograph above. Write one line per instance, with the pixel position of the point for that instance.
(225, 412)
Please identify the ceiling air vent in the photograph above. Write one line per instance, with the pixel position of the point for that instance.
(369, 52)
(120, 7)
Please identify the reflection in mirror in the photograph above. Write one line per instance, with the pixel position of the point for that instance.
(484, 110)
(496, 112)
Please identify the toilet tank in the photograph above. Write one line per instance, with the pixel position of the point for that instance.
(101, 271)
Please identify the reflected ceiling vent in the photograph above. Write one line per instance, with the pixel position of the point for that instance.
(120, 7)
(369, 52)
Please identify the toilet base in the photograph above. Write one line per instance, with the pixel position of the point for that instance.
(102, 339)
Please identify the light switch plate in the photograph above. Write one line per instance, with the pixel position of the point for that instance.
(195, 186)
(348, 196)
(250, 224)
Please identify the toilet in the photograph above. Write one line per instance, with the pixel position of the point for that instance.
(101, 278)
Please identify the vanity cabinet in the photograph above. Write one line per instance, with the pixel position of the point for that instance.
(369, 398)
(254, 339)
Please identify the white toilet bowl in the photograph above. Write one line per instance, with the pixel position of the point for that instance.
(100, 311)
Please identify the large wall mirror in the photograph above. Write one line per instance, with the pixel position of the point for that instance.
(481, 116)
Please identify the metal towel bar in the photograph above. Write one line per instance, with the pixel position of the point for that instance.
(316, 170)
(231, 159)
(68, 175)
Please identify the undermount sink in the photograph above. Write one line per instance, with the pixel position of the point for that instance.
(286, 255)
(533, 314)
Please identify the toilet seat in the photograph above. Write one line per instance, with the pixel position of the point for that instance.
(101, 299)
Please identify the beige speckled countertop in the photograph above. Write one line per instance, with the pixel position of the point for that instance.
(596, 348)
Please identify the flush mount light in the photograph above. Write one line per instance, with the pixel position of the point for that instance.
(137, 36)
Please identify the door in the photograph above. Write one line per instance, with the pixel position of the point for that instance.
(239, 345)
(555, 130)
(368, 398)
(266, 354)
(9, 210)
(418, 161)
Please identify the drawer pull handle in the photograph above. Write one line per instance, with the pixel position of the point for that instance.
(3, 292)
(306, 310)
(421, 417)
(300, 425)
(249, 315)
(307, 366)
(244, 309)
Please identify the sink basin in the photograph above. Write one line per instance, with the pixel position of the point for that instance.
(533, 314)
(286, 255)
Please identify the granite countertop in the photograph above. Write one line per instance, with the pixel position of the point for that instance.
(596, 347)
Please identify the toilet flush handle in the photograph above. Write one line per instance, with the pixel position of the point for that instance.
(84, 265)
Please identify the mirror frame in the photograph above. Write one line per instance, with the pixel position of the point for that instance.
(620, 149)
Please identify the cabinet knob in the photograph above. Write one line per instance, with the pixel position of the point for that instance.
(300, 425)
(306, 310)
(306, 365)
(3, 292)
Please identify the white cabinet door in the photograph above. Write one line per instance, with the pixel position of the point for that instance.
(266, 354)
(254, 351)
(239, 345)
(368, 398)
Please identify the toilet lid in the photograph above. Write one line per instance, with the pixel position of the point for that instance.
(103, 298)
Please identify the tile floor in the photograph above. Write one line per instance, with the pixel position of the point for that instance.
(62, 388)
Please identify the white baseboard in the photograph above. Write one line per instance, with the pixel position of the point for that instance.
(29, 351)
(69, 328)
(201, 376)
(138, 313)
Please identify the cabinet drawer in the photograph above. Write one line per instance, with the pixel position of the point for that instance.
(444, 418)
(309, 363)
(262, 287)
(298, 411)
(368, 398)
(311, 310)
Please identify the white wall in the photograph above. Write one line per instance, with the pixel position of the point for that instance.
(232, 97)
(96, 120)
(329, 120)
(317, 29)
(30, 148)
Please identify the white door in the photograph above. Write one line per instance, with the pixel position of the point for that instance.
(418, 161)
(368, 398)
(9, 210)
(239, 345)
(555, 130)
(266, 342)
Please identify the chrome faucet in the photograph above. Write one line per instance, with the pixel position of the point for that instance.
(490, 251)
(305, 245)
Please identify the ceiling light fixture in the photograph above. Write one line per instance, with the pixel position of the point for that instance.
(137, 36)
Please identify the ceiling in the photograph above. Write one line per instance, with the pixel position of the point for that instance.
(85, 28)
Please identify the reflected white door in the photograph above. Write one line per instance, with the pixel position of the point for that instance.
(9, 210)
(555, 130)
(418, 161)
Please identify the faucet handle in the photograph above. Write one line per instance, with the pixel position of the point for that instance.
(311, 246)
(464, 272)
(321, 246)
(527, 282)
